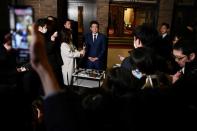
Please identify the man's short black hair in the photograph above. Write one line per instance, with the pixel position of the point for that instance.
(147, 34)
(186, 46)
(94, 22)
(166, 25)
(41, 22)
(65, 20)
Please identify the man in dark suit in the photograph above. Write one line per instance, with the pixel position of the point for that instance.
(95, 43)
(164, 47)
(184, 84)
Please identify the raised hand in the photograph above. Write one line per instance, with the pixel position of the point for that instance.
(40, 63)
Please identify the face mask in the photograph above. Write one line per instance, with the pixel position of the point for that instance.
(44, 30)
(136, 73)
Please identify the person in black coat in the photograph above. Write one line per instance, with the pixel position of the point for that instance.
(185, 82)
(62, 109)
(48, 28)
(8, 62)
(15, 111)
(164, 46)
(144, 36)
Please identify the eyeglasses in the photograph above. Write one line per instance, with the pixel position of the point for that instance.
(179, 58)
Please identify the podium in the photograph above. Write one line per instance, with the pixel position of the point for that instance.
(88, 78)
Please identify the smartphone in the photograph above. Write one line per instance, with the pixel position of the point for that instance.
(21, 20)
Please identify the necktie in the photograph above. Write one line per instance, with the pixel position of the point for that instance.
(94, 37)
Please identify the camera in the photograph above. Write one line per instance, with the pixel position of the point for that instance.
(21, 20)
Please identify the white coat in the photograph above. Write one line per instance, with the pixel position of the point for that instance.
(69, 59)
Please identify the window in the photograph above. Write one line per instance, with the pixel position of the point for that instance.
(124, 16)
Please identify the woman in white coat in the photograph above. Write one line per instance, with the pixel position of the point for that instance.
(69, 53)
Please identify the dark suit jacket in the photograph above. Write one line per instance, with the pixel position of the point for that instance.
(8, 65)
(54, 57)
(164, 47)
(184, 93)
(96, 49)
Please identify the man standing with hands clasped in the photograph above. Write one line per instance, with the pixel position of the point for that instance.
(95, 43)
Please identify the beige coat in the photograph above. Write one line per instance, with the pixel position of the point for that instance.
(69, 60)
